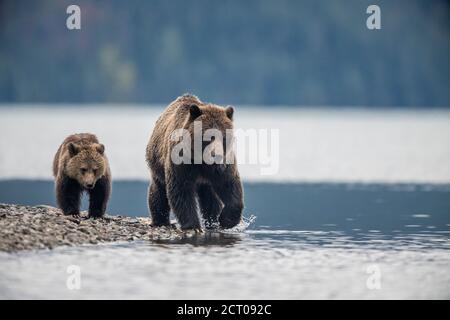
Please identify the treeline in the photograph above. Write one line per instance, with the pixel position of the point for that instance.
(270, 52)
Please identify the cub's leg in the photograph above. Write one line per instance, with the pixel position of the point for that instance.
(210, 205)
(158, 204)
(68, 195)
(98, 197)
(231, 194)
(181, 194)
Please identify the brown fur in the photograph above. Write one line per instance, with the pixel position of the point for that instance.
(217, 187)
(80, 164)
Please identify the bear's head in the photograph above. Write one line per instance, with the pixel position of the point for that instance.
(215, 125)
(86, 164)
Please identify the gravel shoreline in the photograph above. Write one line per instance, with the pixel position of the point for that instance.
(45, 227)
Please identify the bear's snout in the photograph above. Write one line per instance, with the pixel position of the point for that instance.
(89, 181)
(216, 152)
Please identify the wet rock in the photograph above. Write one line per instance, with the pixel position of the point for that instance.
(45, 227)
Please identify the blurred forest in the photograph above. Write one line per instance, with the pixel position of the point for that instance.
(260, 52)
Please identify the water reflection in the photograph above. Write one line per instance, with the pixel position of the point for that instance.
(255, 264)
(208, 238)
(342, 239)
(297, 239)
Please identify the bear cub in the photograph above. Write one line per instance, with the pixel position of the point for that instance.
(80, 165)
(187, 188)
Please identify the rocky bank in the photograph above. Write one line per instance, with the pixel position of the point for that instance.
(41, 227)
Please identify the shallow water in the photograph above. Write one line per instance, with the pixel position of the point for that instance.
(254, 264)
(292, 206)
(307, 241)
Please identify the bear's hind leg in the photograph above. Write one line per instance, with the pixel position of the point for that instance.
(158, 204)
(98, 197)
(68, 195)
(210, 205)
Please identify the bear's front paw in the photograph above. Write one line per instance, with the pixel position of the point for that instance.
(228, 223)
(212, 225)
(96, 214)
(194, 230)
(72, 213)
(156, 224)
(192, 227)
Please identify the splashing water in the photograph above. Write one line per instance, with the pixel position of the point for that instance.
(242, 226)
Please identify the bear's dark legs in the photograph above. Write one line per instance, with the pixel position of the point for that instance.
(98, 197)
(181, 194)
(210, 205)
(158, 204)
(231, 194)
(68, 195)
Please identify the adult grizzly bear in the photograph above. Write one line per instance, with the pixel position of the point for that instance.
(177, 186)
(80, 164)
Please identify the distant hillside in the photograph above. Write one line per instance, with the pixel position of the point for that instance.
(287, 52)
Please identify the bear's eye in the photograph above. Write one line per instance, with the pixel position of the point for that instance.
(83, 170)
(95, 172)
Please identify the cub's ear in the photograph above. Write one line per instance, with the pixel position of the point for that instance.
(73, 149)
(100, 148)
(229, 111)
(194, 111)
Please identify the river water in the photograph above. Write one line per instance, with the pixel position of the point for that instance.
(253, 264)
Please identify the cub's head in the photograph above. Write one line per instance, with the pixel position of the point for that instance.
(86, 164)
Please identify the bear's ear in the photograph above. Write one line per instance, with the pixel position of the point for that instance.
(194, 111)
(229, 111)
(73, 149)
(100, 148)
